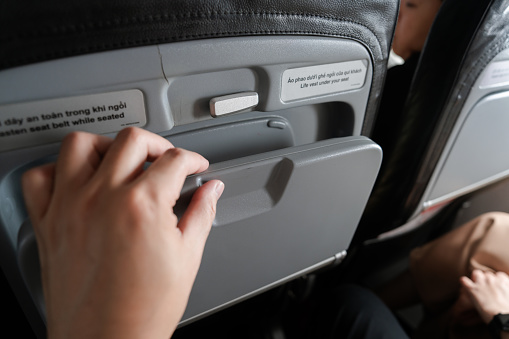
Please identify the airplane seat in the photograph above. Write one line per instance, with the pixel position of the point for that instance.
(279, 96)
(452, 140)
(475, 153)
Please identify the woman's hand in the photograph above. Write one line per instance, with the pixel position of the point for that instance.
(489, 293)
(115, 261)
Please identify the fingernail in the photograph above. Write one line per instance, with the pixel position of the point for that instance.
(219, 189)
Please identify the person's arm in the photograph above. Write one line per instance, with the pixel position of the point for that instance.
(489, 293)
(115, 261)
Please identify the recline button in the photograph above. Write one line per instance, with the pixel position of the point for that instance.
(232, 103)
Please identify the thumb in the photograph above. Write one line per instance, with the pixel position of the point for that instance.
(467, 283)
(197, 220)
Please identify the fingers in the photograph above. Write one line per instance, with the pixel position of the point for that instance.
(129, 152)
(483, 279)
(478, 276)
(502, 276)
(166, 176)
(488, 292)
(196, 222)
(37, 186)
(467, 283)
(80, 155)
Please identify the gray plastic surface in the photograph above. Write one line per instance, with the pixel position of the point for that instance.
(283, 213)
(237, 139)
(479, 155)
(297, 173)
(476, 153)
(178, 80)
(239, 70)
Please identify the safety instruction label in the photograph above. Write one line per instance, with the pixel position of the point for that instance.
(46, 121)
(306, 82)
(497, 74)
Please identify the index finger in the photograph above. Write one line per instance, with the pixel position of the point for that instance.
(80, 155)
(127, 155)
(167, 174)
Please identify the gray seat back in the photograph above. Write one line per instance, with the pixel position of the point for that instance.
(303, 78)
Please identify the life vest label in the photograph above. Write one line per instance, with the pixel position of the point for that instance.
(313, 81)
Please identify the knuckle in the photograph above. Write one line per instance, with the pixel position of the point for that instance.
(74, 143)
(140, 204)
(132, 134)
(179, 156)
(75, 138)
(134, 199)
(177, 153)
(30, 176)
(37, 176)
